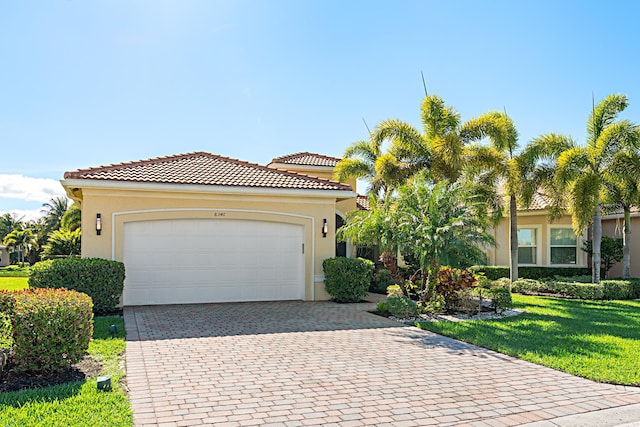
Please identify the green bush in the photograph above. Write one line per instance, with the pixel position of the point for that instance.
(566, 289)
(635, 288)
(7, 308)
(101, 279)
(529, 272)
(51, 329)
(402, 307)
(394, 291)
(617, 289)
(347, 279)
(500, 298)
(381, 307)
(381, 279)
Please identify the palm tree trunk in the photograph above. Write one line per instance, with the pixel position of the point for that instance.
(388, 259)
(626, 244)
(597, 243)
(513, 236)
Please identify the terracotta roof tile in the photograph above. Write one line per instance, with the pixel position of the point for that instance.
(204, 169)
(362, 203)
(539, 202)
(307, 159)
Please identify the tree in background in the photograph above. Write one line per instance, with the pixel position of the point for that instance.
(612, 252)
(72, 218)
(19, 241)
(582, 172)
(54, 210)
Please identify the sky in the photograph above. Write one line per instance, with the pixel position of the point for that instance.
(89, 83)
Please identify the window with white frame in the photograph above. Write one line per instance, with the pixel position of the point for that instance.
(527, 246)
(563, 245)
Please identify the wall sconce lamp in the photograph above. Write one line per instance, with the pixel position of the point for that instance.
(325, 228)
(98, 224)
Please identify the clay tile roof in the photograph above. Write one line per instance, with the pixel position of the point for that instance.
(539, 202)
(204, 169)
(362, 202)
(307, 159)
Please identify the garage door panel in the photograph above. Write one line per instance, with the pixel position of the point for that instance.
(191, 261)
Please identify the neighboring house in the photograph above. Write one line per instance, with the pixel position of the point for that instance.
(4, 256)
(199, 227)
(540, 242)
(613, 225)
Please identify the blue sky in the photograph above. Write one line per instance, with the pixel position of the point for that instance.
(86, 83)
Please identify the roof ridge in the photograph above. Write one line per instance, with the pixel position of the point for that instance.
(303, 153)
(165, 159)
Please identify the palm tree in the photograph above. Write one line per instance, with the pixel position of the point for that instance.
(499, 163)
(8, 223)
(63, 243)
(441, 224)
(20, 241)
(582, 172)
(622, 192)
(438, 149)
(72, 218)
(375, 226)
(54, 210)
(366, 160)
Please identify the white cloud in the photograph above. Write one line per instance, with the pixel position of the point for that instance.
(25, 214)
(30, 189)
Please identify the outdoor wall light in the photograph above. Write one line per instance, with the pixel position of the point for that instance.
(325, 228)
(98, 224)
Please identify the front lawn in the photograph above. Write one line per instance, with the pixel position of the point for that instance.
(78, 403)
(14, 271)
(13, 283)
(592, 339)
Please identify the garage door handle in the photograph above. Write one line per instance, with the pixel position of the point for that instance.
(303, 248)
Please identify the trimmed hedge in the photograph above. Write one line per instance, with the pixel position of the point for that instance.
(7, 305)
(51, 329)
(401, 307)
(101, 279)
(529, 272)
(347, 279)
(606, 289)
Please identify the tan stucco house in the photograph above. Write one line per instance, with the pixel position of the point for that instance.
(4, 256)
(540, 242)
(199, 227)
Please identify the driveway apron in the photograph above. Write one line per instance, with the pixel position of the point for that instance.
(303, 363)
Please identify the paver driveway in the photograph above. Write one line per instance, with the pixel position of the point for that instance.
(302, 363)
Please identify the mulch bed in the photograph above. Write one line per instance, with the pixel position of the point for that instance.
(14, 381)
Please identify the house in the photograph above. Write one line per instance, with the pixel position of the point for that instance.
(613, 225)
(540, 242)
(200, 227)
(4, 256)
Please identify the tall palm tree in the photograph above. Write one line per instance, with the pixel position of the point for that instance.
(54, 210)
(438, 148)
(582, 171)
(366, 160)
(499, 163)
(20, 241)
(8, 223)
(622, 192)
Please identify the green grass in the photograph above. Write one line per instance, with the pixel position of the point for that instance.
(79, 403)
(13, 283)
(14, 271)
(599, 340)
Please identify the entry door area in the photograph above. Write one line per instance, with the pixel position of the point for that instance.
(212, 260)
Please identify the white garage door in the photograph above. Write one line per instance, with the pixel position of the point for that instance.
(208, 260)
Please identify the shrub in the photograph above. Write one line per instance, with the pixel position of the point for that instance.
(567, 289)
(7, 308)
(617, 289)
(381, 279)
(394, 291)
(101, 279)
(51, 329)
(635, 288)
(450, 282)
(530, 272)
(347, 279)
(500, 298)
(402, 307)
(381, 307)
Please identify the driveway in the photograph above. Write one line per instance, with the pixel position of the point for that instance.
(303, 363)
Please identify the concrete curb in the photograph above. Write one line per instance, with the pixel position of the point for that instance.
(622, 416)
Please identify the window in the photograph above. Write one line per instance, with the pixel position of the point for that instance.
(564, 246)
(527, 246)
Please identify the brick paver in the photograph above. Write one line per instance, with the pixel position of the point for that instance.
(303, 363)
